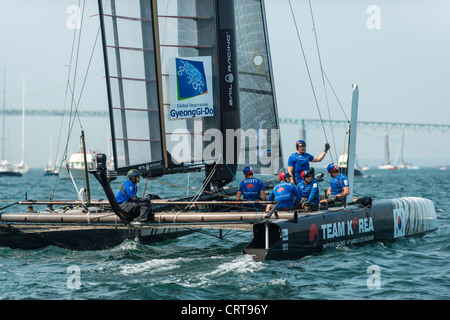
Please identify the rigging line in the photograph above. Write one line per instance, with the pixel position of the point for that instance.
(348, 121)
(200, 191)
(193, 189)
(323, 78)
(79, 100)
(337, 99)
(307, 69)
(73, 103)
(86, 75)
(82, 89)
(52, 192)
(72, 90)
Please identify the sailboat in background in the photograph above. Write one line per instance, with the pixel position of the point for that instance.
(387, 164)
(22, 166)
(6, 168)
(403, 164)
(49, 168)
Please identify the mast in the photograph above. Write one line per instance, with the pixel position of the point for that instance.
(352, 140)
(3, 113)
(386, 150)
(229, 97)
(22, 163)
(402, 163)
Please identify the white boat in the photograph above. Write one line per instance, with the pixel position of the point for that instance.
(403, 164)
(75, 165)
(387, 165)
(6, 168)
(342, 164)
(22, 167)
(50, 168)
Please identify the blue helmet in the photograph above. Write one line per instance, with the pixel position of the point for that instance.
(300, 143)
(247, 170)
(332, 167)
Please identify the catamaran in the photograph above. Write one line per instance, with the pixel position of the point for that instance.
(189, 83)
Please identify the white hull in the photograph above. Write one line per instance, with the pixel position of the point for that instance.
(388, 167)
(76, 173)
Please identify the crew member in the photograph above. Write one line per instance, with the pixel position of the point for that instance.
(134, 208)
(285, 193)
(339, 186)
(309, 191)
(251, 188)
(299, 161)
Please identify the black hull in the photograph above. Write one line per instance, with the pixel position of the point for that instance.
(80, 237)
(384, 221)
(10, 174)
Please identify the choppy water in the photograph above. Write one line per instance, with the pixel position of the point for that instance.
(199, 266)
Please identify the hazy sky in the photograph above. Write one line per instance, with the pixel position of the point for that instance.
(398, 52)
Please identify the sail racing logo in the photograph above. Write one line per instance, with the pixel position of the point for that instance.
(190, 81)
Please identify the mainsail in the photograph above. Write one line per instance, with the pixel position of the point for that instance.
(172, 70)
(259, 118)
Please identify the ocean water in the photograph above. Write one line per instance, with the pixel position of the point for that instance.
(202, 267)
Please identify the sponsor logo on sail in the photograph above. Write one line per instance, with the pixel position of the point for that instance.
(191, 78)
(191, 93)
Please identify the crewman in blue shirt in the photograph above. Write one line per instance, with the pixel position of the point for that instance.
(135, 208)
(299, 161)
(251, 188)
(285, 193)
(339, 187)
(309, 191)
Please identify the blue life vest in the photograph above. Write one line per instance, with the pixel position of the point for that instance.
(127, 190)
(251, 189)
(309, 191)
(337, 184)
(299, 162)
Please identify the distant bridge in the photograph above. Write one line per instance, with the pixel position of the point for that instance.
(303, 124)
(54, 113)
(387, 127)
